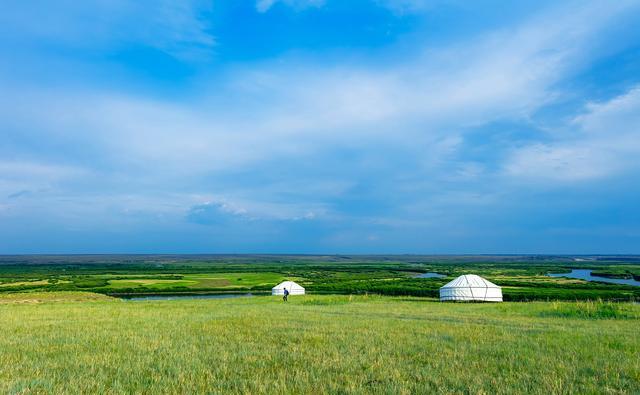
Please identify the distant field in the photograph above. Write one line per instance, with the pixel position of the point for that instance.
(198, 281)
(86, 343)
(522, 278)
(34, 283)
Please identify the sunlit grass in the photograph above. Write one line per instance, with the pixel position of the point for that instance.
(313, 344)
(151, 284)
(48, 297)
(217, 281)
(235, 280)
(22, 283)
(593, 310)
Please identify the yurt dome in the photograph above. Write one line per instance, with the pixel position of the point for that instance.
(292, 287)
(471, 287)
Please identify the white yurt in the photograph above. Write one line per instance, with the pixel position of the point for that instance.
(293, 288)
(471, 287)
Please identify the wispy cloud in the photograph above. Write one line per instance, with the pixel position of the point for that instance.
(19, 178)
(376, 148)
(265, 5)
(602, 142)
(304, 108)
(177, 28)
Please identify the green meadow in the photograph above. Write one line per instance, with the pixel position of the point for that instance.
(199, 281)
(522, 278)
(73, 342)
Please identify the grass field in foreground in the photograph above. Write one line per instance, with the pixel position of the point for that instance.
(83, 343)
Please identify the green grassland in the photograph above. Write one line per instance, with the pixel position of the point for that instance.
(57, 342)
(522, 277)
(218, 281)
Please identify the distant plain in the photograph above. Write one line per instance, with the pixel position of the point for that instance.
(521, 277)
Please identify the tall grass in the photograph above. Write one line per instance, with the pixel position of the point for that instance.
(591, 309)
(312, 344)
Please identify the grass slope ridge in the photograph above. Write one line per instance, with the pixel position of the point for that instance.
(316, 344)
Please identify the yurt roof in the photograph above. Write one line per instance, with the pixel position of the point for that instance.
(288, 285)
(470, 280)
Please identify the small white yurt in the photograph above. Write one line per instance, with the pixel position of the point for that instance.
(293, 288)
(471, 287)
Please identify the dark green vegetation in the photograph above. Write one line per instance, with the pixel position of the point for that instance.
(56, 342)
(522, 277)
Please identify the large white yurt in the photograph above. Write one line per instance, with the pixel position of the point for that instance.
(293, 288)
(471, 287)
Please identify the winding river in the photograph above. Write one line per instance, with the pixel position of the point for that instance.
(585, 274)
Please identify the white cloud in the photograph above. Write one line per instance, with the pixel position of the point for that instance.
(174, 27)
(20, 170)
(397, 6)
(605, 142)
(566, 162)
(265, 5)
(273, 110)
(20, 176)
(255, 210)
(24, 179)
(295, 108)
(410, 6)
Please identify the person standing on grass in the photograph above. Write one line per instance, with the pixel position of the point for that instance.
(286, 295)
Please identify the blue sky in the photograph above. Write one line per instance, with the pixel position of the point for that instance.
(320, 126)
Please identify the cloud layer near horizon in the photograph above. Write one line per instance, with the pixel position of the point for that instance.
(159, 134)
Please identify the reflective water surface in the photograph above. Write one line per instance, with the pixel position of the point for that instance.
(585, 274)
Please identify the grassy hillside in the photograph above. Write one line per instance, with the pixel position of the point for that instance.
(74, 342)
